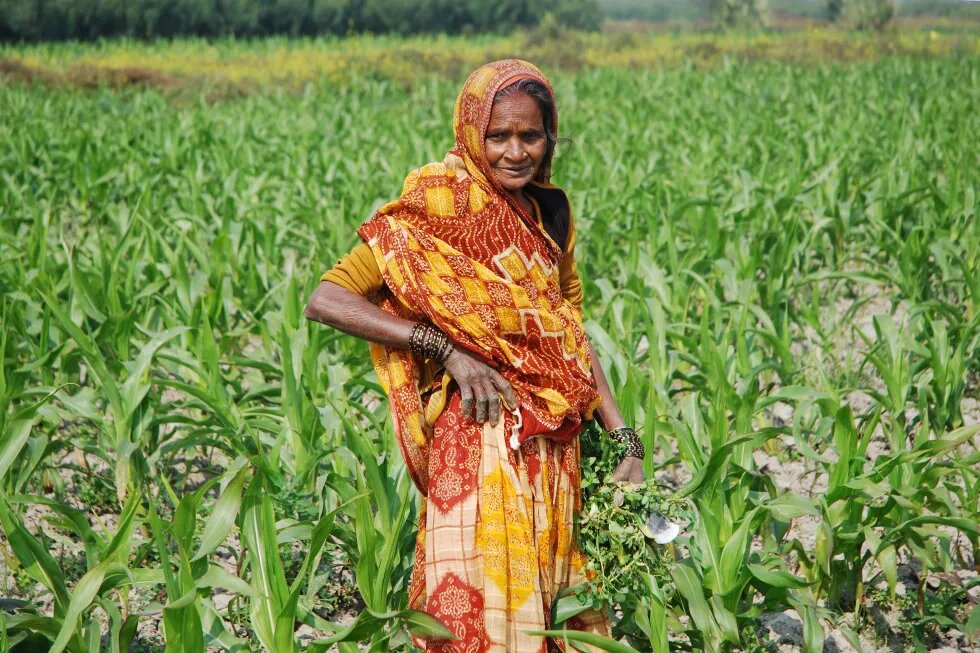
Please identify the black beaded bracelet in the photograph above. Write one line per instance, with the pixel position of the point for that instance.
(627, 436)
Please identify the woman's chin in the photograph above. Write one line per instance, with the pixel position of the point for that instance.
(513, 184)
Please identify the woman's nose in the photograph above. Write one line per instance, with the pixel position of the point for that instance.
(515, 151)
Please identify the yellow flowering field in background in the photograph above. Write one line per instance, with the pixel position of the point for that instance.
(244, 65)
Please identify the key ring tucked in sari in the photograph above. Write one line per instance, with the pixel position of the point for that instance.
(515, 429)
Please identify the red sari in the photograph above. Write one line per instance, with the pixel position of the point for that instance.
(498, 501)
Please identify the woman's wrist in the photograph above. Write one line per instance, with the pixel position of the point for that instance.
(426, 341)
(630, 441)
(610, 425)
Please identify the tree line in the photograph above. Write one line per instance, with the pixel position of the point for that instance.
(39, 20)
(49, 20)
(857, 14)
(860, 14)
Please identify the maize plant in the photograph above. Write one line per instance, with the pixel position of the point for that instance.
(781, 266)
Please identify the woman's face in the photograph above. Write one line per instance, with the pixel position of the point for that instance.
(515, 142)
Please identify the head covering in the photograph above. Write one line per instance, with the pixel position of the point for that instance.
(471, 115)
(457, 250)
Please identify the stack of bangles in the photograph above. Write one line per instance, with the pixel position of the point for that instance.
(626, 436)
(426, 341)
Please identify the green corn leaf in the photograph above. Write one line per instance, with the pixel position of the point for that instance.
(35, 559)
(691, 588)
(422, 624)
(181, 624)
(734, 554)
(15, 432)
(727, 623)
(137, 383)
(223, 515)
(72, 519)
(651, 617)
(813, 636)
(361, 628)
(824, 547)
(321, 533)
(216, 577)
(568, 604)
(790, 505)
(12, 440)
(118, 547)
(592, 639)
(851, 636)
(710, 469)
(966, 525)
(971, 627)
(390, 551)
(215, 632)
(777, 578)
(82, 597)
(267, 576)
(93, 357)
(885, 556)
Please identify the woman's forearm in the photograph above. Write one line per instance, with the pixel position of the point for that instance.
(609, 415)
(630, 468)
(480, 386)
(355, 315)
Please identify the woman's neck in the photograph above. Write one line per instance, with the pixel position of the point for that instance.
(522, 199)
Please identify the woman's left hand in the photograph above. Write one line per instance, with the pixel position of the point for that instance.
(629, 469)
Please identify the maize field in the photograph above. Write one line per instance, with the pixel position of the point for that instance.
(781, 262)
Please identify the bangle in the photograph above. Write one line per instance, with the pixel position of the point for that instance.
(426, 341)
(626, 436)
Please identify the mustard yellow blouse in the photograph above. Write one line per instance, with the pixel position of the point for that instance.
(358, 271)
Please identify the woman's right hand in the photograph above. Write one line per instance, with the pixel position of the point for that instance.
(479, 385)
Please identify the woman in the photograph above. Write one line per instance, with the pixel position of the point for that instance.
(467, 290)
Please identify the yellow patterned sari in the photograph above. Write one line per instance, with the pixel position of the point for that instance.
(496, 540)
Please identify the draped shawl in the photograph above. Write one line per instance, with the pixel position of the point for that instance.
(457, 250)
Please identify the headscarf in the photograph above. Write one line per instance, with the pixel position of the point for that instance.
(457, 250)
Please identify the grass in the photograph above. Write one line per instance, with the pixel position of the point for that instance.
(778, 259)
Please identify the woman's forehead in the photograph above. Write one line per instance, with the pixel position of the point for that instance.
(477, 96)
(515, 110)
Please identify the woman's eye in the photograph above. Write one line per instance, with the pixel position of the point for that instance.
(495, 137)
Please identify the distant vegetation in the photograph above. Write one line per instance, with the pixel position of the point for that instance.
(41, 20)
(951, 8)
(707, 10)
(654, 10)
(87, 20)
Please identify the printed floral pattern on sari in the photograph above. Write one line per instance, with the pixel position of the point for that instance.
(509, 541)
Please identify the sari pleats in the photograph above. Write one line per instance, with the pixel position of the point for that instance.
(496, 543)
